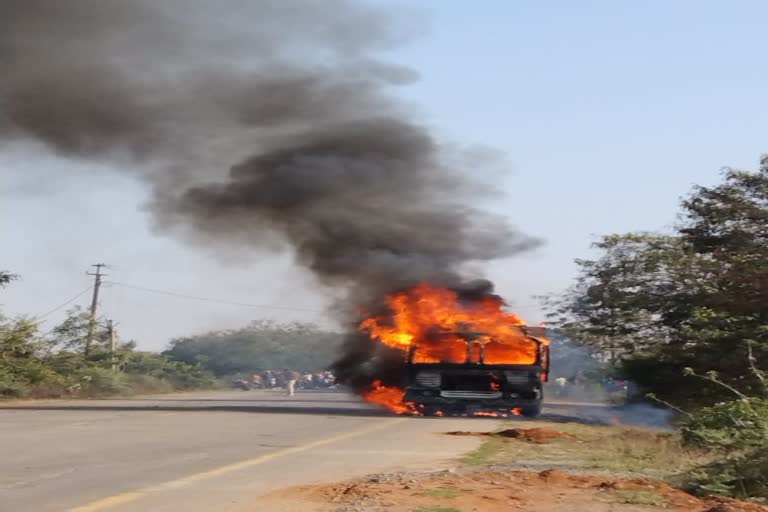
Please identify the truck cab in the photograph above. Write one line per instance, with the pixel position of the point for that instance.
(480, 379)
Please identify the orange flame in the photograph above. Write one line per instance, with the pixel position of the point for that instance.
(435, 322)
(434, 325)
(487, 413)
(517, 411)
(390, 397)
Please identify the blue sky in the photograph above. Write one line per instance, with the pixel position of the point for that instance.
(607, 113)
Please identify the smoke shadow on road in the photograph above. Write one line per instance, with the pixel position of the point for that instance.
(326, 411)
(235, 400)
(557, 413)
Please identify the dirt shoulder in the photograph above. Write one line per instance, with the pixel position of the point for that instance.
(532, 467)
(492, 491)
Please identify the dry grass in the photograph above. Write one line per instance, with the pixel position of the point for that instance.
(618, 450)
(442, 492)
(493, 449)
(633, 450)
(633, 497)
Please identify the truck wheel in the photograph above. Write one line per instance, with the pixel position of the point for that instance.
(531, 411)
(429, 410)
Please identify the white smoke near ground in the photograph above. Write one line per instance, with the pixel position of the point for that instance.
(579, 384)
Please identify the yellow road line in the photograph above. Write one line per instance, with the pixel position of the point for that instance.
(127, 497)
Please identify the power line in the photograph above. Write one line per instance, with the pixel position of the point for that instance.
(245, 304)
(209, 299)
(70, 301)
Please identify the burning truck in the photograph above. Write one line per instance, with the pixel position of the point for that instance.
(460, 355)
(475, 384)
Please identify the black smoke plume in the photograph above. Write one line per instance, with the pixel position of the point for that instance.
(256, 123)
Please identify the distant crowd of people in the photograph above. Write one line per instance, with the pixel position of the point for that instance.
(287, 379)
(577, 385)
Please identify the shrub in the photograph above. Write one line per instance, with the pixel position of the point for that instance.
(145, 384)
(54, 365)
(744, 475)
(10, 387)
(730, 426)
(737, 432)
(101, 381)
(177, 374)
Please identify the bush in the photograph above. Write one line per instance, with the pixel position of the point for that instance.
(66, 362)
(52, 389)
(737, 432)
(730, 426)
(10, 387)
(55, 366)
(145, 384)
(744, 475)
(101, 381)
(177, 374)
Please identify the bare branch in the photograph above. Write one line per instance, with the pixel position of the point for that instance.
(755, 370)
(653, 397)
(715, 380)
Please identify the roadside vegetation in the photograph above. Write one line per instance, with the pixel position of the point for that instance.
(596, 449)
(684, 316)
(66, 361)
(54, 364)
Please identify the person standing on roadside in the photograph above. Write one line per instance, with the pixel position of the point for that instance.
(561, 383)
(291, 377)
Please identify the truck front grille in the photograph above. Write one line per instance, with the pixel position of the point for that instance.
(471, 395)
(428, 379)
(517, 378)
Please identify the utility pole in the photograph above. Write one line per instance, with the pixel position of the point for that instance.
(112, 344)
(94, 305)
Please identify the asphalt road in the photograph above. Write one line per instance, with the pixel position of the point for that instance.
(201, 452)
(214, 451)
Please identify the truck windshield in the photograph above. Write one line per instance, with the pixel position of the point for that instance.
(450, 351)
(457, 351)
(526, 351)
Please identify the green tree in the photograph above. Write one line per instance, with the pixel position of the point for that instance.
(179, 374)
(260, 345)
(71, 334)
(20, 365)
(66, 343)
(6, 277)
(619, 304)
(653, 304)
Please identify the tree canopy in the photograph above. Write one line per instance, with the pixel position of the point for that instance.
(261, 345)
(6, 277)
(653, 305)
